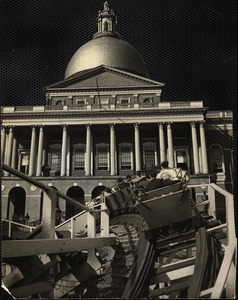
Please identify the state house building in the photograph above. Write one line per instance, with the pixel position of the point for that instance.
(107, 119)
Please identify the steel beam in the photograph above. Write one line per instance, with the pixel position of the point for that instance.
(19, 248)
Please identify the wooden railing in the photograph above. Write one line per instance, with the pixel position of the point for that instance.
(50, 197)
(12, 224)
(226, 278)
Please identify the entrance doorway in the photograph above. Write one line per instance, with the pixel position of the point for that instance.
(76, 193)
(16, 204)
(181, 158)
(24, 161)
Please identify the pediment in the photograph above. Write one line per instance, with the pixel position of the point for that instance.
(103, 78)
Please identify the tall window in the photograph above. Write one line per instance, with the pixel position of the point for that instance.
(79, 158)
(55, 157)
(216, 158)
(56, 160)
(126, 157)
(149, 155)
(103, 157)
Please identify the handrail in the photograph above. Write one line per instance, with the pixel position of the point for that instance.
(10, 223)
(46, 188)
(18, 224)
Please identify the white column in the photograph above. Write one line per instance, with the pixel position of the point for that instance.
(115, 156)
(40, 152)
(200, 159)
(63, 151)
(3, 142)
(137, 147)
(32, 151)
(204, 149)
(170, 146)
(162, 143)
(195, 148)
(14, 153)
(44, 152)
(9, 146)
(68, 156)
(112, 148)
(88, 150)
(91, 157)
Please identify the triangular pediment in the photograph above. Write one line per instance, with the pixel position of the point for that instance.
(104, 77)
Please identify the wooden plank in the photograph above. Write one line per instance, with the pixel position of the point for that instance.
(65, 285)
(223, 273)
(200, 264)
(31, 289)
(172, 275)
(170, 289)
(12, 277)
(19, 248)
(176, 265)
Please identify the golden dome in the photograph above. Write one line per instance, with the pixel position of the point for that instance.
(106, 48)
(108, 51)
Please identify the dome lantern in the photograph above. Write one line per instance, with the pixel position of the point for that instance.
(106, 21)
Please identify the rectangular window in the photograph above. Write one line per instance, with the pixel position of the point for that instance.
(124, 102)
(80, 103)
(55, 159)
(125, 158)
(79, 158)
(103, 102)
(102, 158)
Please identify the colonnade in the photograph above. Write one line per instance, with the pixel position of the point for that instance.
(36, 157)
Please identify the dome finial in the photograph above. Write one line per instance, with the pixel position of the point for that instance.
(106, 7)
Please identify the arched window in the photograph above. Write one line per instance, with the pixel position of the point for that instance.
(216, 159)
(105, 25)
(59, 102)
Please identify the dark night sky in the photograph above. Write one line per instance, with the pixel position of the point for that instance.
(190, 45)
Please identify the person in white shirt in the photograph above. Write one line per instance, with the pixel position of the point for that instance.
(167, 173)
(173, 174)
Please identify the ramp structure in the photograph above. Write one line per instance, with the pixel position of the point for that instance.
(118, 249)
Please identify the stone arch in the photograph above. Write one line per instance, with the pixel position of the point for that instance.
(76, 193)
(16, 203)
(97, 190)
